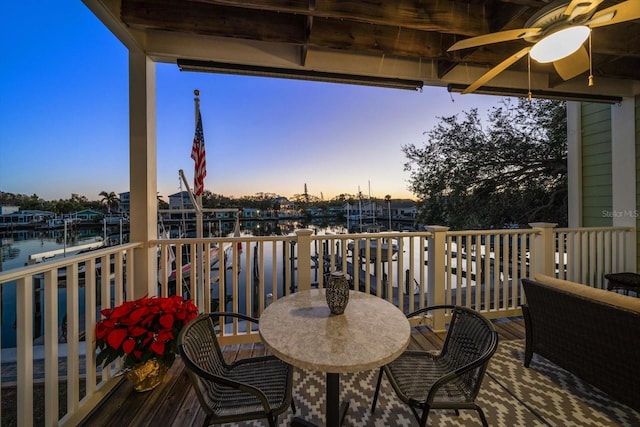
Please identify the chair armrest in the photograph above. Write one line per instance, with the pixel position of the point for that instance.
(231, 314)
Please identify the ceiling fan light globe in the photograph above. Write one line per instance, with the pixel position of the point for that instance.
(560, 44)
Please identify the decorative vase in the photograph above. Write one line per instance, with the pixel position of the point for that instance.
(146, 376)
(337, 292)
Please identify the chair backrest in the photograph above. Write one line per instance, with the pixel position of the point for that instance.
(201, 353)
(470, 342)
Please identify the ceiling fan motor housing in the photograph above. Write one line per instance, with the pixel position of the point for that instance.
(551, 19)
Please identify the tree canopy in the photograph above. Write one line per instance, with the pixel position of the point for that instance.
(509, 170)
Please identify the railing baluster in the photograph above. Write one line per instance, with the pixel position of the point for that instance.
(51, 315)
(73, 335)
(486, 255)
(24, 350)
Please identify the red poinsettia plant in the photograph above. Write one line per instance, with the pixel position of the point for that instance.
(143, 329)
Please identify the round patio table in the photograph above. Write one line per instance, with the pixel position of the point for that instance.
(301, 330)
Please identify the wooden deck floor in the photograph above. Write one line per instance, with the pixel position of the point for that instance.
(174, 403)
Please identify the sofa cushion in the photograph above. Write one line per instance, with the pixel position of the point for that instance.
(601, 295)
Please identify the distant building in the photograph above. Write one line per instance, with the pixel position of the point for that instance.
(251, 213)
(285, 207)
(224, 215)
(125, 202)
(315, 212)
(26, 218)
(365, 209)
(6, 210)
(88, 215)
(179, 202)
(404, 210)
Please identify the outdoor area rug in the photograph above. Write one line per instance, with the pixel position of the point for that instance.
(511, 395)
(556, 395)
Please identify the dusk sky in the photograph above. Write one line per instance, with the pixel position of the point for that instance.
(64, 119)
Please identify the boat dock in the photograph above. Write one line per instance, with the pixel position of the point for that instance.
(39, 257)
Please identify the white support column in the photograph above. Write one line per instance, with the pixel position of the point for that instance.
(574, 163)
(143, 170)
(623, 172)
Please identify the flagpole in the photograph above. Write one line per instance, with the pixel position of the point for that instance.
(200, 291)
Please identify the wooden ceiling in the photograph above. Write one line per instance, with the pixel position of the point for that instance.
(377, 42)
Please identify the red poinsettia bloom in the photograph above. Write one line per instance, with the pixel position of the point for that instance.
(116, 337)
(157, 347)
(128, 345)
(166, 320)
(142, 329)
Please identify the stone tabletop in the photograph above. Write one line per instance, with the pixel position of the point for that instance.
(301, 330)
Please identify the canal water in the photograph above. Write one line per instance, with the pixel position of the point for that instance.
(17, 247)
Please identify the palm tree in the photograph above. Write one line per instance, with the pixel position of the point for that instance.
(110, 199)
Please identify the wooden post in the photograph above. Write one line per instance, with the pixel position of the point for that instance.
(544, 249)
(304, 259)
(437, 248)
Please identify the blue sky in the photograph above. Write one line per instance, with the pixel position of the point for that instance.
(64, 119)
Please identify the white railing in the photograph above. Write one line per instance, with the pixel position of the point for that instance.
(585, 255)
(477, 269)
(483, 269)
(91, 281)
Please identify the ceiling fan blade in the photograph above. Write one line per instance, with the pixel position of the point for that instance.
(625, 11)
(580, 7)
(500, 36)
(496, 70)
(573, 65)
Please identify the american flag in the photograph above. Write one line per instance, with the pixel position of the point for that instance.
(199, 156)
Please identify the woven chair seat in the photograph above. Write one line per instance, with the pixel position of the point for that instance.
(248, 389)
(417, 371)
(449, 378)
(269, 376)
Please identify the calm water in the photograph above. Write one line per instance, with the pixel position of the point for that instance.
(16, 248)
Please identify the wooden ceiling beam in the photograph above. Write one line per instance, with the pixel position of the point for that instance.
(617, 40)
(402, 42)
(452, 17)
(410, 29)
(304, 30)
(616, 67)
(510, 16)
(212, 20)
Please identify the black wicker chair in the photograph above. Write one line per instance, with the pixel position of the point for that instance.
(449, 378)
(248, 389)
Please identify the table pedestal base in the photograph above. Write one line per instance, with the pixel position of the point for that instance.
(335, 412)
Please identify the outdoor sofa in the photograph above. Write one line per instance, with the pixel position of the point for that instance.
(592, 333)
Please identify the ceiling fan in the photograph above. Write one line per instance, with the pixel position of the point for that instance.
(557, 33)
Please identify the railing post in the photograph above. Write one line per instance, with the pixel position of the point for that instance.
(544, 249)
(304, 259)
(437, 244)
